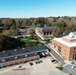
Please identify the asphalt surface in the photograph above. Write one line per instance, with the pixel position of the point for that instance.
(53, 52)
(44, 68)
(57, 57)
(68, 69)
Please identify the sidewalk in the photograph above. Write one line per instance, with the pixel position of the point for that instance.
(50, 45)
(65, 61)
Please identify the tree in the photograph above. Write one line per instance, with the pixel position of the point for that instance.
(1, 25)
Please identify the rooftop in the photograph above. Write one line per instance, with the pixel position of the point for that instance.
(71, 36)
(15, 54)
(71, 44)
(47, 27)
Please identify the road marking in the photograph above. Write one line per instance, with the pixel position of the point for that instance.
(65, 65)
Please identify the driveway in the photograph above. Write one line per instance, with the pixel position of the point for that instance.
(56, 55)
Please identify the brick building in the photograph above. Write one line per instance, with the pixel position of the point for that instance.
(66, 46)
(45, 31)
(16, 56)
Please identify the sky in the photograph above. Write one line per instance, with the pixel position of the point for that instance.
(37, 8)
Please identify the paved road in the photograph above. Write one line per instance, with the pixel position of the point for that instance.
(53, 52)
(68, 69)
(57, 56)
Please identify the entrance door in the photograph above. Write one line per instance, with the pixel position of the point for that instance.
(74, 56)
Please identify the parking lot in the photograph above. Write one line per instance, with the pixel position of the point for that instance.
(43, 66)
(68, 69)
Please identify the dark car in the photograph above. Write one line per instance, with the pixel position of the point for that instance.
(20, 66)
(39, 61)
(31, 64)
(36, 62)
(54, 60)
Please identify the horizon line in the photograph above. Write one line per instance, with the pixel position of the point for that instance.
(38, 17)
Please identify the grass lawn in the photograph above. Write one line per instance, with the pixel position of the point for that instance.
(50, 36)
(70, 74)
(28, 40)
(31, 42)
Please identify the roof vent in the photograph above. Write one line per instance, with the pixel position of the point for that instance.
(26, 55)
(71, 35)
(23, 48)
(3, 60)
(16, 57)
(4, 51)
(44, 25)
(15, 49)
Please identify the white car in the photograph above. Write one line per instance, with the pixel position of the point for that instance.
(18, 66)
(73, 67)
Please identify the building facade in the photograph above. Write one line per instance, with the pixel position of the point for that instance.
(45, 31)
(66, 46)
(17, 56)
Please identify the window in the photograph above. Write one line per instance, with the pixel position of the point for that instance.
(26, 55)
(74, 51)
(16, 57)
(65, 50)
(50, 32)
(75, 48)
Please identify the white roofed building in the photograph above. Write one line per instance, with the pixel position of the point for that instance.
(66, 46)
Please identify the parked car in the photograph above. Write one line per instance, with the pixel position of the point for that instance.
(36, 62)
(73, 67)
(31, 64)
(54, 61)
(19, 66)
(39, 61)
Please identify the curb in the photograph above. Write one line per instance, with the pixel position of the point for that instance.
(56, 52)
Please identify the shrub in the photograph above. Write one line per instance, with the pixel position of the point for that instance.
(72, 62)
(60, 68)
(70, 74)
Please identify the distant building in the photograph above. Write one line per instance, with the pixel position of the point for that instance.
(22, 31)
(45, 31)
(16, 56)
(66, 46)
(1, 29)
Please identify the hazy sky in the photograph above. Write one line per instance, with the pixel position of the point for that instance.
(37, 8)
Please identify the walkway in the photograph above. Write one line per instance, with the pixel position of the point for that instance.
(57, 56)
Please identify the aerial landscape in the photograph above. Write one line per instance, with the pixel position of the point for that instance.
(37, 37)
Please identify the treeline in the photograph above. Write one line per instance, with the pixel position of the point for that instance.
(7, 43)
(63, 24)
